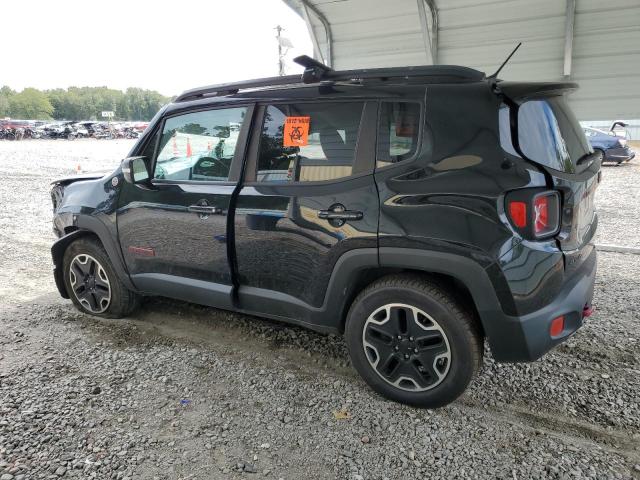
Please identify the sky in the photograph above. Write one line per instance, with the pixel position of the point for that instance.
(168, 46)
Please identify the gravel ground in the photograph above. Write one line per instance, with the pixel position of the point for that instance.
(618, 201)
(188, 392)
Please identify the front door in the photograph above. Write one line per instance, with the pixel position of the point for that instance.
(173, 234)
(309, 197)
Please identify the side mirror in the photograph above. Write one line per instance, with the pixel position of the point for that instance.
(136, 170)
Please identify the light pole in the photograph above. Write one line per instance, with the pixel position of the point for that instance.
(284, 44)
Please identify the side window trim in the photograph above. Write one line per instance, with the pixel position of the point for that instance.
(367, 142)
(240, 153)
(152, 137)
(253, 147)
(419, 139)
(155, 126)
(237, 156)
(365, 165)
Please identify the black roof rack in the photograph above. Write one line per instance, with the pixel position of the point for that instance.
(315, 72)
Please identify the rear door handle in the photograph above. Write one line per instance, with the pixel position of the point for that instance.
(337, 215)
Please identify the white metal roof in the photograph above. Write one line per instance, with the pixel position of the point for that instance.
(593, 42)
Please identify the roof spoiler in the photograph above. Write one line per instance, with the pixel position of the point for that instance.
(528, 90)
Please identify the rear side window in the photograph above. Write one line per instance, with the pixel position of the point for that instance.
(397, 132)
(308, 142)
(548, 134)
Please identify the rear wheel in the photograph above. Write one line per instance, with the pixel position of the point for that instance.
(92, 283)
(412, 342)
(601, 152)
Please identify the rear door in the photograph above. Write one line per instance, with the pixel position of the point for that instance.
(309, 198)
(549, 135)
(173, 234)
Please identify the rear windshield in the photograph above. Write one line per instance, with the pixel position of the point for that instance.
(548, 133)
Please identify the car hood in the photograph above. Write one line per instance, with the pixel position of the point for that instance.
(78, 177)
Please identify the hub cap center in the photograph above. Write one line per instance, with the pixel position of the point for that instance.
(406, 347)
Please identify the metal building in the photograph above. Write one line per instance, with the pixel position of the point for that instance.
(593, 42)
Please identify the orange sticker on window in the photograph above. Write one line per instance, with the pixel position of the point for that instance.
(296, 131)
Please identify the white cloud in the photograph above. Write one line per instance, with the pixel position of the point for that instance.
(168, 46)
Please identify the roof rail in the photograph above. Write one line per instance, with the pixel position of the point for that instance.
(446, 72)
(235, 87)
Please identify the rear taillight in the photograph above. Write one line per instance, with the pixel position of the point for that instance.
(518, 213)
(546, 213)
(534, 213)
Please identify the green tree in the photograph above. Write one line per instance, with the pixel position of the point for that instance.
(30, 104)
(80, 103)
(5, 94)
(4, 106)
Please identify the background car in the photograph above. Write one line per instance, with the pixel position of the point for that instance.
(613, 147)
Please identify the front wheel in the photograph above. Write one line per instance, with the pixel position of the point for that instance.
(92, 283)
(412, 342)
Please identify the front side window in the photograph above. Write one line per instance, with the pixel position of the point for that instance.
(308, 142)
(199, 145)
(397, 132)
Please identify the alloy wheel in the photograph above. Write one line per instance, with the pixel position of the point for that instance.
(90, 283)
(406, 347)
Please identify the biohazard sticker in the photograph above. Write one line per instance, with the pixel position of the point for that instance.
(296, 131)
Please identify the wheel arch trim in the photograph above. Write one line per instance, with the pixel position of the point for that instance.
(88, 225)
(468, 272)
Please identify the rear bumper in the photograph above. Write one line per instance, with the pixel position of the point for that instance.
(620, 154)
(527, 338)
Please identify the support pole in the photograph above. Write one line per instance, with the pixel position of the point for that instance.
(569, 20)
(280, 55)
(429, 29)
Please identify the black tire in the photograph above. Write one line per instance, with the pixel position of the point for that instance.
(121, 301)
(602, 154)
(446, 326)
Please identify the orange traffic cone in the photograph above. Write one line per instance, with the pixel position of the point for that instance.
(189, 151)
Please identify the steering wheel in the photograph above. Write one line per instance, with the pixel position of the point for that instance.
(210, 167)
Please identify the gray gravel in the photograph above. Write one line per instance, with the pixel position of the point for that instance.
(26, 170)
(618, 201)
(182, 391)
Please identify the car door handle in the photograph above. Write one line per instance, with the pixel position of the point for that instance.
(340, 215)
(204, 209)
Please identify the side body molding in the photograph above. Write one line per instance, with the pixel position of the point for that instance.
(328, 317)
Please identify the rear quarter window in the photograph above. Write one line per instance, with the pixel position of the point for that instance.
(548, 134)
(398, 131)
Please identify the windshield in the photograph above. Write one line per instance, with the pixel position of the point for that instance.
(548, 134)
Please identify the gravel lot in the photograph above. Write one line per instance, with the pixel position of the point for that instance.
(182, 391)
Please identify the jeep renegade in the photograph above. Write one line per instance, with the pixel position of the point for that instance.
(418, 211)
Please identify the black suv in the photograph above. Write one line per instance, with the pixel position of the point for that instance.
(418, 210)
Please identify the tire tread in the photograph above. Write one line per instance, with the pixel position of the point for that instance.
(122, 304)
(423, 284)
